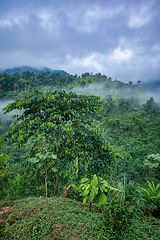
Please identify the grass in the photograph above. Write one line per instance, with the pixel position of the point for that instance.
(67, 219)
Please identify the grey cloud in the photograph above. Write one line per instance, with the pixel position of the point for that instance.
(114, 37)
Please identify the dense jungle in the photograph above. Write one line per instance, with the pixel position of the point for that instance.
(97, 136)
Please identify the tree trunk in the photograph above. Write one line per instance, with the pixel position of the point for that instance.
(76, 166)
(57, 182)
(46, 187)
(57, 177)
(90, 205)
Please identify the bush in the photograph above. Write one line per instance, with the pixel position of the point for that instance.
(93, 190)
(122, 206)
(120, 215)
(151, 198)
(16, 186)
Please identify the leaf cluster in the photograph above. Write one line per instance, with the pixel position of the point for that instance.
(151, 196)
(4, 158)
(42, 112)
(152, 160)
(95, 189)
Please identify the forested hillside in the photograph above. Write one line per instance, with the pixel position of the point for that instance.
(58, 132)
(134, 130)
(98, 84)
(129, 117)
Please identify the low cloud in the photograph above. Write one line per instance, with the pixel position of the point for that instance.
(101, 89)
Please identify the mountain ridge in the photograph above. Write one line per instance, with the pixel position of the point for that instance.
(22, 69)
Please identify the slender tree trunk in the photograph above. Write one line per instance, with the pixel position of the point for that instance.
(90, 205)
(57, 177)
(46, 187)
(57, 182)
(77, 166)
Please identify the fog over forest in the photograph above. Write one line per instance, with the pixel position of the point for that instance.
(99, 89)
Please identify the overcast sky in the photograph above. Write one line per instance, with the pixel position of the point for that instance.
(119, 38)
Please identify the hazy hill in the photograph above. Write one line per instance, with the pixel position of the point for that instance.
(22, 69)
(116, 87)
(152, 86)
(29, 78)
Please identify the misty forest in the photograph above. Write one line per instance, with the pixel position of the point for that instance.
(79, 157)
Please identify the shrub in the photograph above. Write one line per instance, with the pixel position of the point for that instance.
(120, 215)
(151, 198)
(16, 186)
(94, 189)
(122, 206)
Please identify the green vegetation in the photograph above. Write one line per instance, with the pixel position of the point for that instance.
(107, 150)
(151, 197)
(3, 160)
(29, 218)
(57, 122)
(152, 161)
(94, 189)
(134, 130)
(13, 85)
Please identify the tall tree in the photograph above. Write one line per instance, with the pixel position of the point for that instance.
(60, 120)
(138, 82)
(130, 82)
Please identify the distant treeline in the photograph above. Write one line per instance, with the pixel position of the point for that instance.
(12, 85)
(27, 81)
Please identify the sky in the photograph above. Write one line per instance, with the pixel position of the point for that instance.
(118, 38)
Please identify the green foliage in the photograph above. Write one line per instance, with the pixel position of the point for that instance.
(56, 128)
(128, 191)
(151, 197)
(134, 132)
(4, 158)
(16, 186)
(48, 111)
(152, 161)
(31, 180)
(120, 215)
(94, 190)
(150, 105)
(59, 122)
(66, 219)
(13, 85)
(44, 160)
(122, 206)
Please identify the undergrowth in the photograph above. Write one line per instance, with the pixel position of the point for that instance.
(67, 219)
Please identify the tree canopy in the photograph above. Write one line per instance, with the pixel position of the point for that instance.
(59, 122)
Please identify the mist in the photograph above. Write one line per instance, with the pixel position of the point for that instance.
(125, 92)
(99, 89)
(103, 90)
(9, 116)
(4, 103)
